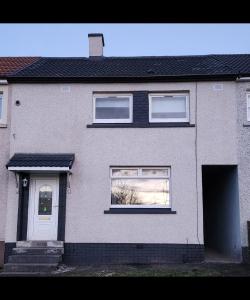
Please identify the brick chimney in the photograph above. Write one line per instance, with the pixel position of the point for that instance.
(96, 44)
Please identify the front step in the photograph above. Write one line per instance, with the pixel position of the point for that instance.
(39, 244)
(32, 268)
(38, 251)
(34, 257)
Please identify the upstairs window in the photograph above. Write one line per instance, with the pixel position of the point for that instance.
(112, 108)
(248, 107)
(168, 108)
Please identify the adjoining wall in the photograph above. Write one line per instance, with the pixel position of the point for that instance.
(216, 130)
(244, 163)
(216, 124)
(4, 156)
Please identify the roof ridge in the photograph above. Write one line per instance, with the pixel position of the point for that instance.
(19, 57)
(126, 57)
(143, 56)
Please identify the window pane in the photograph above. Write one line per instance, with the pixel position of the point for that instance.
(140, 192)
(169, 107)
(155, 172)
(124, 172)
(45, 200)
(1, 105)
(112, 108)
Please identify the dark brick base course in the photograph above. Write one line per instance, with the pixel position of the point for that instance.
(246, 255)
(1, 253)
(98, 253)
(8, 250)
(112, 253)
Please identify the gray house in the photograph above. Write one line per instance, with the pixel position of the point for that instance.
(125, 160)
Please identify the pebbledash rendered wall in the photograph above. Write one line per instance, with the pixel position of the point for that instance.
(52, 119)
(4, 156)
(244, 163)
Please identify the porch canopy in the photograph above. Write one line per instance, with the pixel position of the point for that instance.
(41, 162)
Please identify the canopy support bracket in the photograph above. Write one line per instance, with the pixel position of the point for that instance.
(69, 174)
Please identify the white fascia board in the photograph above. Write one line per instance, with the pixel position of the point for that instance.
(3, 81)
(38, 168)
(243, 79)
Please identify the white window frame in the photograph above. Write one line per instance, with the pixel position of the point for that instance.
(140, 176)
(248, 107)
(2, 108)
(117, 95)
(167, 120)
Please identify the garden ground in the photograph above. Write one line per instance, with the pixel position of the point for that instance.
(163, 270)
(168, 270)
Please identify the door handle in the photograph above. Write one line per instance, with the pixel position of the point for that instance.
(55, 205)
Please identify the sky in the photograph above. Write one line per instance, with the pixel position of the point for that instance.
(124, 39)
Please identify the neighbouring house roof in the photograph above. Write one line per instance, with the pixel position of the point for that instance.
(9, 65)
(148, 67)
(41, 160)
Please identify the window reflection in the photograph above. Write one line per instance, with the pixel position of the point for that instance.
(155, 172)
(124, 172)
(112, 108)
(169, 107)
(140, 192)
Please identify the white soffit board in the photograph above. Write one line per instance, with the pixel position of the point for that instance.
(38, 168)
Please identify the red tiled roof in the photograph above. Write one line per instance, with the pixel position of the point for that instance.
(9, 65)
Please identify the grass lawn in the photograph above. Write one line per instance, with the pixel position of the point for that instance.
(170, 270)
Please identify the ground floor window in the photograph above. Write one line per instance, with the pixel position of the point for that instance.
(140, 187)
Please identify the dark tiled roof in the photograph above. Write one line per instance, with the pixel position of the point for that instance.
(8, 65)
(137, 67)
(238, 62)
(41, 160)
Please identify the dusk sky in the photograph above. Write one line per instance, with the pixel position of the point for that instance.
(124, 39)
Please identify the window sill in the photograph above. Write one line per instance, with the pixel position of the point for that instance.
(3, 126)
(134, 125)
(139, 211)
(246, 124)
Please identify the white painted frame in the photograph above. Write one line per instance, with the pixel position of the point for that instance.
(142, 177)
(3, 116)
(117, 95)
(248, 107)
(167, 120)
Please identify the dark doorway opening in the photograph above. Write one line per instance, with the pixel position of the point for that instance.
(221, 213)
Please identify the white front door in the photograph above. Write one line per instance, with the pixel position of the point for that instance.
(43, 208)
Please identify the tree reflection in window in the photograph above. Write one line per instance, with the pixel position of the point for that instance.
(140, 191)
(45, 200)
(122, 193)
